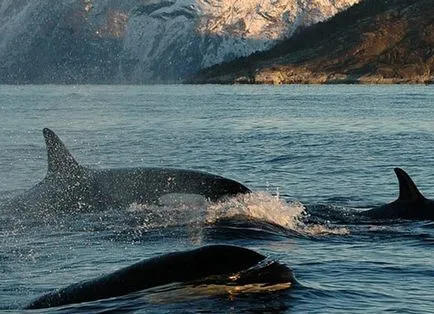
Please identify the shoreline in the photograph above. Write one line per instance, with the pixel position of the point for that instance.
(284, 78)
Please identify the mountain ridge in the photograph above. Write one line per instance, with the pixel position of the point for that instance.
(141, 41)
(374, 41)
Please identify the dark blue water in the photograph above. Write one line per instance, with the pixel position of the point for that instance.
(329, 148)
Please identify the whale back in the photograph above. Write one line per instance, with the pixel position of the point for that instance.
(408, 190)
(60, 160)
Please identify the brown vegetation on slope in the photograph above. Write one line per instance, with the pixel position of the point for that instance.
(375, 41)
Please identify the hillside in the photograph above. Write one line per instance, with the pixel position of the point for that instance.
(141, 41)
(375, 41)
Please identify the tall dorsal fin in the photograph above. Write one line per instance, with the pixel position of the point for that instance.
(408, 191)
(60, 160)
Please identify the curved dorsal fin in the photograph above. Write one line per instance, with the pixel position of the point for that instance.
(60, 160)
(408, 191)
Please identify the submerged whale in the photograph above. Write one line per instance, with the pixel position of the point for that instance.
(69, 185)
(411, 204)
(230, 265)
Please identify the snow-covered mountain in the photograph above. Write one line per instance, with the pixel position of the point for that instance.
(134, 41)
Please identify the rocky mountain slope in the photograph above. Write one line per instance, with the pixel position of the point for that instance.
(375, 41)
(141, 41)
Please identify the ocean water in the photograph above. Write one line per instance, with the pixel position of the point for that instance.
(311, 154)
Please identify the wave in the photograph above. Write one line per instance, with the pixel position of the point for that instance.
(262, 208)
(258, 211)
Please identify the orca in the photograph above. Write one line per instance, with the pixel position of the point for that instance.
(209, 264)
(69, 185)
(411, 204)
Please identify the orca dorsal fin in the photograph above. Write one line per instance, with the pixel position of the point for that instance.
(60, 160)
(408, 191)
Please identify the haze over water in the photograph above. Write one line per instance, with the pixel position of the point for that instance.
(332, 148)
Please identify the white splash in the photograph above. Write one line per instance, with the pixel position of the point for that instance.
(168, 215)
(272, 209)
(259, 206)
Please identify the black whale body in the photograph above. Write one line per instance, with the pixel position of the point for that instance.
(68, 185)
(170, 268)
(410, 204)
